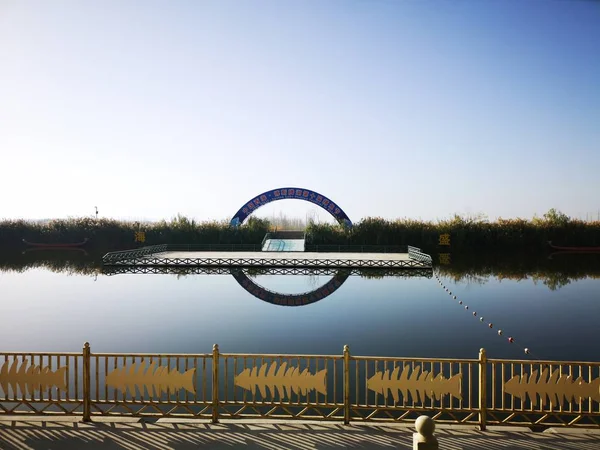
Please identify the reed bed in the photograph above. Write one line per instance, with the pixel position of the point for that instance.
(110, 234)
(467, 235)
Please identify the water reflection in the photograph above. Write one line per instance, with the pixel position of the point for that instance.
(376, 312)
(245, 278)
(554, 270)
(564, 252)
(282, 299)
(42, 250)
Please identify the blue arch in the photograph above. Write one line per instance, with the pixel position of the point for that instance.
(286, 193)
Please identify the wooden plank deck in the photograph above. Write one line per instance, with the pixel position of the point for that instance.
(273, 259)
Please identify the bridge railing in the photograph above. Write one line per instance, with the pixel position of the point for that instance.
(416, 254)
(320, 248)
(120, 256)
(265, 239)
(342, 387)
(150, 250)
(330, 248)
(134, 253)
(214, 247)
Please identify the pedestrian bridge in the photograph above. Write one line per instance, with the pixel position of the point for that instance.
(226, 256)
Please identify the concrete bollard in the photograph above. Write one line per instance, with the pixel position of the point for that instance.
(424, 439)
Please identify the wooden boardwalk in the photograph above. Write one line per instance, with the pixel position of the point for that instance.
(270, 259)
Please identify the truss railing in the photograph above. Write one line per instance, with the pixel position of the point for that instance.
(214, 248)
(134, 253)
(353, 248)
(416, 254)
(143, 251)
(303, 271)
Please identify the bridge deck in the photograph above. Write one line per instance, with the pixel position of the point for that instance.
(273, 259)
(288, 255)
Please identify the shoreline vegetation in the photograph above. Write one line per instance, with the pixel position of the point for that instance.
(467, 234)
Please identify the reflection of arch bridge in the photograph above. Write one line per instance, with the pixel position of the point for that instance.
(262, 293)
(276, 298)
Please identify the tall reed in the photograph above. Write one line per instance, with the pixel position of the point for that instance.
(466, 234)
(111, 234)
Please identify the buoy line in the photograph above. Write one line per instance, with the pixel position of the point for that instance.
(500, 332)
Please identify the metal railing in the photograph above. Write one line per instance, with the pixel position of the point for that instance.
(416, 254)
(340, 387)
(134, 253)
(551, 393)
(154, 249)
(152, 256)
(214, 247)
(328, 248)
(265, 239)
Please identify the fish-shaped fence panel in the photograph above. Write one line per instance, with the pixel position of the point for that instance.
(281, 381)
(31, 378)
(553, 387)
(154, 378)
(419, 384)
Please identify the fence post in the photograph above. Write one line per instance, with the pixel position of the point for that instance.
(86, 383)
(482, 388)
(215, 382)
(424, 439)
(346, 385)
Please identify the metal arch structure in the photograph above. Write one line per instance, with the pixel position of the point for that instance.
(276, 298)
(293, 193)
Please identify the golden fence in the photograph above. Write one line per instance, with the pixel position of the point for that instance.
(326, 387)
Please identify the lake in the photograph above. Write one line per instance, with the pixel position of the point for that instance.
(549, 305)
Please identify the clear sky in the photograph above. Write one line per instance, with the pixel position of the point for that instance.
(395, 108)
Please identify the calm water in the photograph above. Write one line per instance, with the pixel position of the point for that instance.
(390, 316)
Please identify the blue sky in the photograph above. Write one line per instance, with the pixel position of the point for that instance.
(416, 109)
